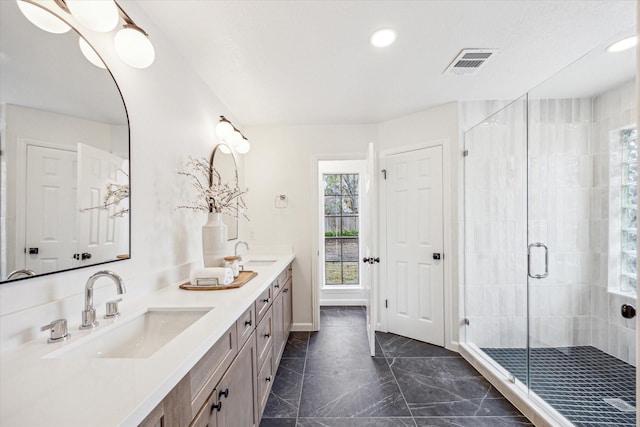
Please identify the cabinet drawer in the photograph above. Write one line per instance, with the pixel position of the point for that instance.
(207, 372)
(245, 325)
(264, 336)
(265, 379)
(262, 303)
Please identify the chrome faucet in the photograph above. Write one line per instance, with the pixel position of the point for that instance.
(89, 313)
(22, 272)
(240, 242)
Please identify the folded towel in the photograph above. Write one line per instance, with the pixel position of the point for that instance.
(212, 276)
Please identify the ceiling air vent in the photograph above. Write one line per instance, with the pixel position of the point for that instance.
(469, 61)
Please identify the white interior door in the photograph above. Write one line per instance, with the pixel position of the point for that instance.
(370, 243)
(98, 229)
(50, 209)
(414, 227)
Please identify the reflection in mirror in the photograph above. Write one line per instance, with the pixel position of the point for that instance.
(65, 144)
(225, 164)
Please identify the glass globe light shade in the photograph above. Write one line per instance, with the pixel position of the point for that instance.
(224, 129)
(224, 148)
(98, 15)
(134, 47)
(236, 138)
(243, 147)
(42, 18)
(90, 54)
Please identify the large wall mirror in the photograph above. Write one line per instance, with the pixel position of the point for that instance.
(64, 182)
(223, 160)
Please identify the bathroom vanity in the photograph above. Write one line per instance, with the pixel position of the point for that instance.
(215, 371)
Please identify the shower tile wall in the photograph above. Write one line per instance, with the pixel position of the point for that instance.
(560, 177)
(570, 153)
(611, 333)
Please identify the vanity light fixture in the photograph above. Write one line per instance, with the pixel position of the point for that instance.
(383, 37)
(232, 137)
(132, 43)
(622, 45)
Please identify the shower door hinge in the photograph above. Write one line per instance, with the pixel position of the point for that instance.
(384, 173)
(466, 322)
(465, 153)
(386, 303)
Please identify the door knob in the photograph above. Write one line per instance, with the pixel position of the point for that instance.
(437, 256)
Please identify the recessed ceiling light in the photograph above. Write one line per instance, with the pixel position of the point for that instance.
(624, 44)
(383, 38)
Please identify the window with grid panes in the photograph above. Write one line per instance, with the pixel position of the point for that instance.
(341, 234)
(629, 212)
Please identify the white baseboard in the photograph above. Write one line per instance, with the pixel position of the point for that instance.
(302, 327)
(342, 302)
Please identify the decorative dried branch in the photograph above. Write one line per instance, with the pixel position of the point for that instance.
(222, 198)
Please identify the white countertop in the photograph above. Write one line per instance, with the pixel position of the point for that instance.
(38, 391)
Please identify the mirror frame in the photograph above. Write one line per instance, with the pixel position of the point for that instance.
(235, 164)
(128, 122)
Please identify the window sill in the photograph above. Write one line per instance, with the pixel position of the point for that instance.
(621, 293)
(341, 288)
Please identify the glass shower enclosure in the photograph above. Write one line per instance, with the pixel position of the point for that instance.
(550, 223)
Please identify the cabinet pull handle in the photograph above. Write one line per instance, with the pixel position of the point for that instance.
(286, 290)
(217, 406)
(247, 323)
(266, 300)
(224, 393)
(276, 286)
(268, 379)
(267, 335)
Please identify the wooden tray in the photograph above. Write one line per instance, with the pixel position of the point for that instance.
(239, 281)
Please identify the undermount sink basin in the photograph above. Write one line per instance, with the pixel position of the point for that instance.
(137, 338)
(259, 262)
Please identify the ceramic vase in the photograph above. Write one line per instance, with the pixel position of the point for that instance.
(214, 240)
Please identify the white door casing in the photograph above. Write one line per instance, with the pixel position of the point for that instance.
(414, 233)
(50, 209)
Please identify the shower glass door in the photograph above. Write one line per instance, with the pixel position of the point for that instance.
(581, 216)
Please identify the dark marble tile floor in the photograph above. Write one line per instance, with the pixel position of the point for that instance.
(328, 379)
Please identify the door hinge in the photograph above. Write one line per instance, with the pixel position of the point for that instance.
(386, 303)
(384, 173)
(465, 153)
(466, 322)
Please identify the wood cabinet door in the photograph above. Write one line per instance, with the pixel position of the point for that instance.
(237, 391)
(288, 308)
(278, 326)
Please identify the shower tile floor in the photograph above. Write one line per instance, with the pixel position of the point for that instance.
(576, 381)
(328, 379)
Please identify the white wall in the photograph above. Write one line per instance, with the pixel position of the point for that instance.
(281, 161)
(438, 123)
(172, 115)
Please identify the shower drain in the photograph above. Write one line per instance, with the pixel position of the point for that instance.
(620, 405)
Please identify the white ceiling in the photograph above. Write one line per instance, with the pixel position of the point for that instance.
(310, 62)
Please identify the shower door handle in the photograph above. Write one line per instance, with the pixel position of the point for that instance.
(546, 261)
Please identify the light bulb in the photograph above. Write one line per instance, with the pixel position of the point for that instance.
(224, 129)
(243, 147)
(383, 38)
(98, 15)
(134, 47)
(622, 45)
(90, 53)
(42, 18)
